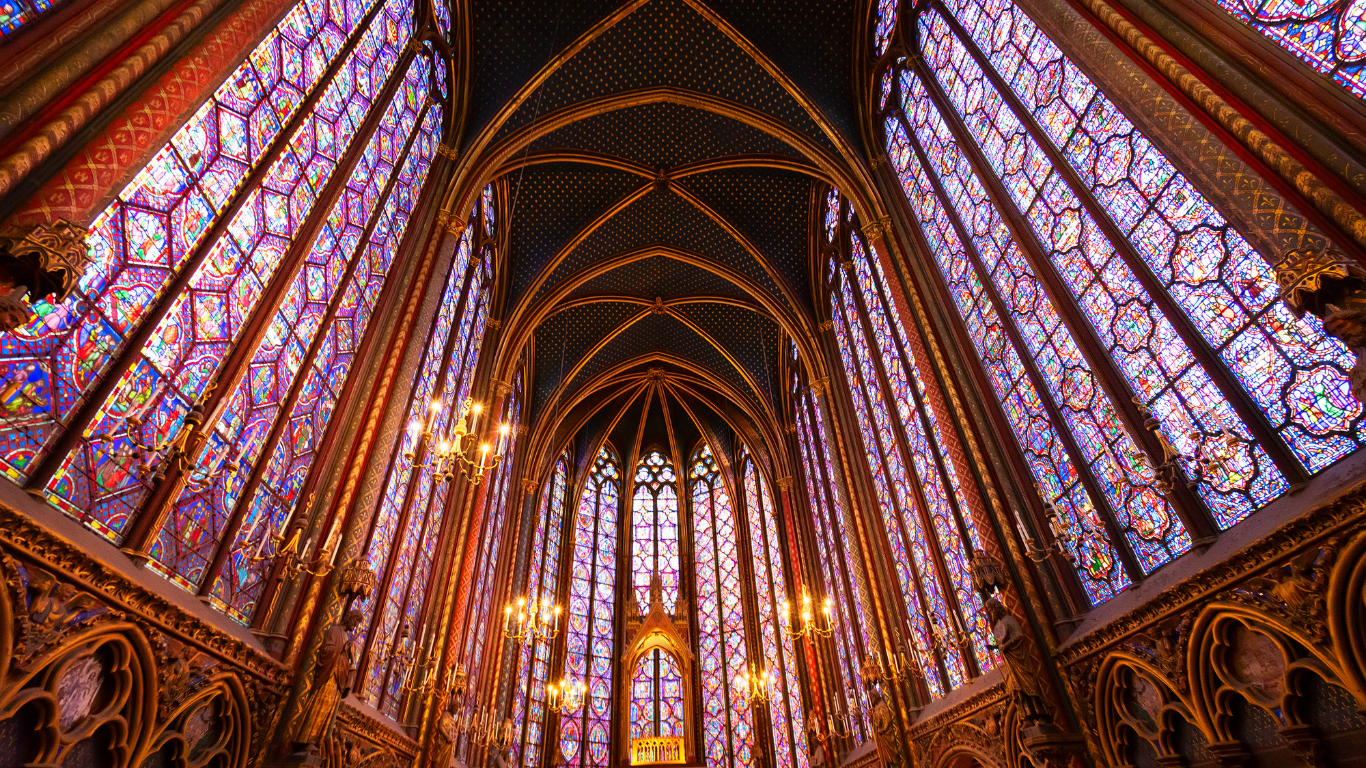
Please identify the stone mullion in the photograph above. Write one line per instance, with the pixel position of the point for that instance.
(560, 648)
(1088, 479)
(532, 602)
(774, 579)
(1205, 356)
(238, 513)
(414, 478)
(862, 386)
(970, 661)
(754, 641)
(148, 523)
(131, 352)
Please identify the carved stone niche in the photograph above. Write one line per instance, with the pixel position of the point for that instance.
(43, 262)
(657, 630)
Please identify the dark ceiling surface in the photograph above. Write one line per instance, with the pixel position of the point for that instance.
(695, 189)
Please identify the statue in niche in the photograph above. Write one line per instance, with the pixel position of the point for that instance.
(446, 731)
(886, 733)
(1021, 674)
(331, 681)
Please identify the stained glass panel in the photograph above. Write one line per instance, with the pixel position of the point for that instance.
(771, 595)
(1293, 370)
(147, 235)
(727, 723)
(307, 353)
(589, 641)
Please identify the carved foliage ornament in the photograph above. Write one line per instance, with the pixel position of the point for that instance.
(46, 260)
(1303, 274)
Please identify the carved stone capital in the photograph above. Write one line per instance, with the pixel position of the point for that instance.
(874, 230)
(501, 388)
(528, 485)
(828, 325)
(785, 483)
(819, 386)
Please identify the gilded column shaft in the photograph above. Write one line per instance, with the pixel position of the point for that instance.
(26, 100)
(66, 123)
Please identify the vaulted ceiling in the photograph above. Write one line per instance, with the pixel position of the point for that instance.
(659, 165)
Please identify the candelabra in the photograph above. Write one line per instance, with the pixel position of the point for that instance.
(1215, 455)
(811, 623)
(758, 686)
(536, 624)
(841, 722)
(287, 549)
(1066, 541)
(148, 460)
(567, 697)
(455, 450)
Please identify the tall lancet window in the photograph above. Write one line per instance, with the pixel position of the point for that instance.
(1101, 288)
(727, 723)
(657, 680)
(922, 512)
(233, 280)
(483, 619)
(543, 576)
(408, 521)
(841, 566)
(590, 640)
(654, 529)
(771, 596)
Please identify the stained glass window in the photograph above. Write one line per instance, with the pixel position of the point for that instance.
(727, 722)
(415, 496)
(654, 530)
(483, 619)
(657, 696)
(1169, 296)
(279, 412)
(1328, 35)
(246, 302)
(589, 641)
(533, 670)
(927, 529)
(771, 595)
(841, 566)
(156, 229)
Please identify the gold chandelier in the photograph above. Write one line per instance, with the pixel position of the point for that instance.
(454, 451)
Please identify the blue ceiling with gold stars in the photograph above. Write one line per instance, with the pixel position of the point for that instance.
(659, 163)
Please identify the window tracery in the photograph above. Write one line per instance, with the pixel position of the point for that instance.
(727, 723)
(590, 636)
(654, 525)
